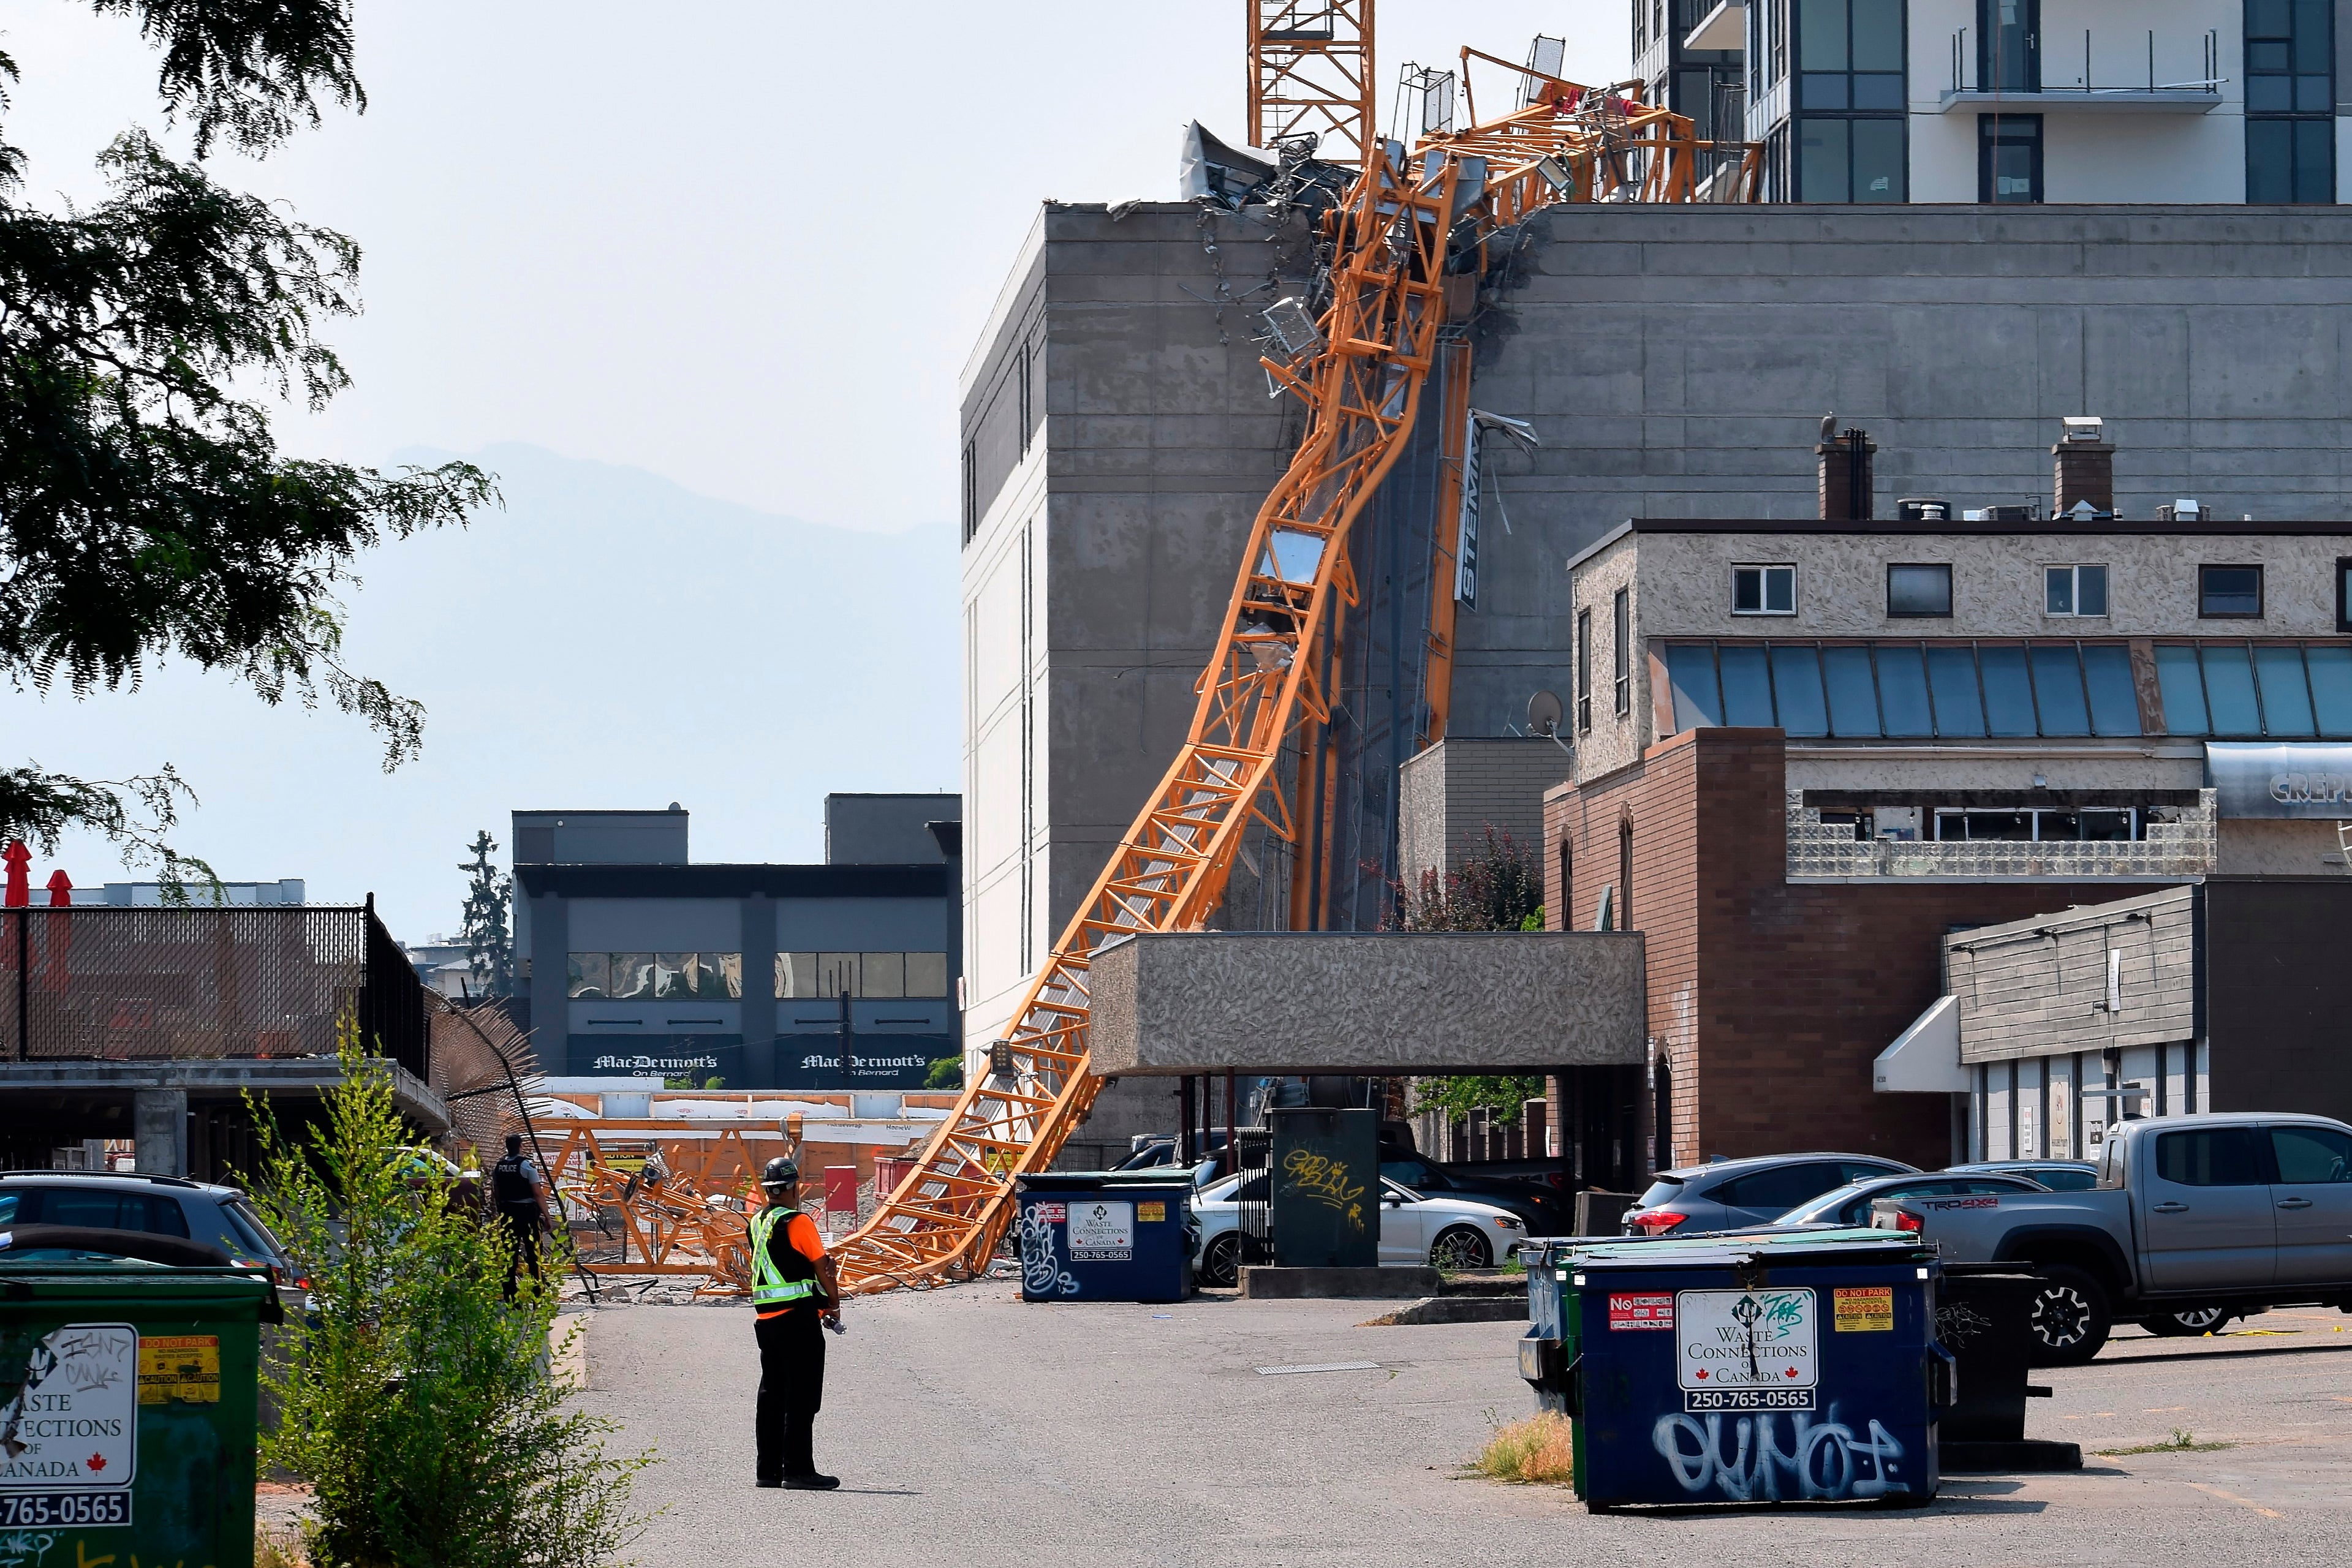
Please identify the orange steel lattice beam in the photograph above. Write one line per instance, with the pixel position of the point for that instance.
(1310, 73)
(1390, 237)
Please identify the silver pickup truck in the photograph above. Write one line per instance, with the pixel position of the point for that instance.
(2195, 1220)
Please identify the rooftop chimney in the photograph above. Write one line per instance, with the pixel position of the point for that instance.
(1846, 486)
(2085, 472)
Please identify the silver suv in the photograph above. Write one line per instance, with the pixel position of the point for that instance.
(1728, 1194)
(195, 1211)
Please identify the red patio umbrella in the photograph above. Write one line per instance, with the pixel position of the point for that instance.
(59, 935)
(20, 881)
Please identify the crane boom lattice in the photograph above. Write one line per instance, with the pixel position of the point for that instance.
(1403, 222)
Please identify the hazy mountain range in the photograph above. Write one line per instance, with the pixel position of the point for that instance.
(610, 639)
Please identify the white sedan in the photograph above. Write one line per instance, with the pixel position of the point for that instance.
(1442, 1232)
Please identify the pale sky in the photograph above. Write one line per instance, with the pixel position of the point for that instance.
(743, 248)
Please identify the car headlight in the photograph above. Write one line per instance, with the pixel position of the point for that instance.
(1505, 1222)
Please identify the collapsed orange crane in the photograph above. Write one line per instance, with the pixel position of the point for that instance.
(1361, 376)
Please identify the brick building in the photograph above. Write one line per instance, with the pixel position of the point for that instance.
(1807, 753)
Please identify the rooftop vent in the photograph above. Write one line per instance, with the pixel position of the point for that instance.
(1923, 509)
(2181, 511)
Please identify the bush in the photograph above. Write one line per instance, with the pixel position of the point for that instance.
(417, 1403)
(1537, 1451)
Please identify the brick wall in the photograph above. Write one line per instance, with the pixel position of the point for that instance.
(1769, 1002)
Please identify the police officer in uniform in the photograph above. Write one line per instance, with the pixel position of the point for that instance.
(514, 1198)
(796, 1295)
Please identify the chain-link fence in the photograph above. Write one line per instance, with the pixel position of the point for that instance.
(138, 985)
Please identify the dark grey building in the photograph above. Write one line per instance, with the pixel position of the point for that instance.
(638, 961)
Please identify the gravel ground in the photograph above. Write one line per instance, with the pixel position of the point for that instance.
(972, 1430)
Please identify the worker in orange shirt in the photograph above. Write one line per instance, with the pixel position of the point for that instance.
(795, 1295)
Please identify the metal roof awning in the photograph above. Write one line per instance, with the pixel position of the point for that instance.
(1926, 1057)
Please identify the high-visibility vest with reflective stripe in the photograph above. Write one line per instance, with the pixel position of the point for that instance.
(768, 1286)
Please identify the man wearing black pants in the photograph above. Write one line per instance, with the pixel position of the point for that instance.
(796, 1294)
(514, 1196)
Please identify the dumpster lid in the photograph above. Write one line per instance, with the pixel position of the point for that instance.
(42, 1280)
(1177, 1178)
(1834, 1247)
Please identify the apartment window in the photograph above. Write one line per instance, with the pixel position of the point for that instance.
(2284, 690)
(1924, 589)
(1624, 650)
(2344, 593)
(2098, 824)
(1910, 690)
(1624, 873)
(2290, 101)
(2009, 45)
(1763, 591)
(970, 489)
(2229, 593)
(1640, 26)
(2009, 158)
(1850, 101)
(1584, 671)
(2074, 590)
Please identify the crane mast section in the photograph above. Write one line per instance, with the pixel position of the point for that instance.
(1392, 237)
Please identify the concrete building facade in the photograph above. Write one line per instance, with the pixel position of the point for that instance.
(840, 976)
(1676, 361)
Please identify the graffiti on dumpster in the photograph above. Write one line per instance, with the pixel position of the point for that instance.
(1325, 1180)
(1742, 1459)
(1042, 1273)
(25, 1548)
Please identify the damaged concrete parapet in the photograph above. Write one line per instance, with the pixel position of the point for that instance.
(1385, 1003)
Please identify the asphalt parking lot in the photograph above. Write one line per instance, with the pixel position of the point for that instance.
(971, 1429)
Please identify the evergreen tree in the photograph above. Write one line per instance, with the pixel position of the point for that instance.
(489, 945)
(145, 511)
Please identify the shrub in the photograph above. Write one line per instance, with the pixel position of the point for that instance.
(417, 1402)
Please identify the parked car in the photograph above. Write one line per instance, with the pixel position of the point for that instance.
(2058, 1175)
(1442, 1232)
(1850, 1204)
(1541, 1207)
(2195, 1220)
(1728, 1194)
(215, 1216)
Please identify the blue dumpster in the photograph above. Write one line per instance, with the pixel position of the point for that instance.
(1744, 1368)
(1104, 1236)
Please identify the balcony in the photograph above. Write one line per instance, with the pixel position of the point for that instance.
(1723, 27)
(2182, 847)
(2117, 72)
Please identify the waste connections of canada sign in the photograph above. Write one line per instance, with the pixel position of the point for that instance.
(69, 1440)
(1746, 1350)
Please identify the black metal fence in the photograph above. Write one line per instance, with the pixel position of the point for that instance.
(111, 984)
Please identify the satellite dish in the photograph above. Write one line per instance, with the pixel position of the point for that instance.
(1544, 713)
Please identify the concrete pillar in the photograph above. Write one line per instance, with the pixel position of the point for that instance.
(759, 1003)
(159, 1119)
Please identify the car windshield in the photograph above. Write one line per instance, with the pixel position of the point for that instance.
(1413, 1173)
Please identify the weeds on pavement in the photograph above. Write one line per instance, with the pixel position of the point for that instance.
(1535, 1451)
(2182, 1441)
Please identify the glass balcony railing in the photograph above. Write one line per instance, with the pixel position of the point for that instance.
(2119, 68)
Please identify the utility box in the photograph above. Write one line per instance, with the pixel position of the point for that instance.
(130, 1394)
(1104, 1236)
(1325, 1188)
(1748, 1369)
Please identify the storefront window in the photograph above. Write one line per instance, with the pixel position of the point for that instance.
(878, 975)
(647, 977)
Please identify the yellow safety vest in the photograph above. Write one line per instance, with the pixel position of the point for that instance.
(768, 1286)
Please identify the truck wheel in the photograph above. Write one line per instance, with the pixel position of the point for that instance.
(2070, 1318)
(2188, 1322)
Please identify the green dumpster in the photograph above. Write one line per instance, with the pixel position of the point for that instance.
(127, 1409)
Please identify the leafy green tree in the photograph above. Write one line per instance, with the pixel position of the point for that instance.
(489, 942)
(145, 511)
(945, 1073)
(420, 1403)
